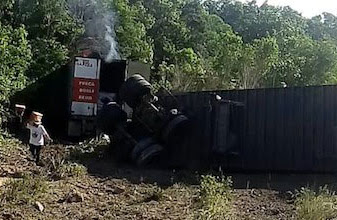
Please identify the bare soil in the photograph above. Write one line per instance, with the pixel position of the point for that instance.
(114, 192)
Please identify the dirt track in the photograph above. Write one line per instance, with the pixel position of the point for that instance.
(109, 192)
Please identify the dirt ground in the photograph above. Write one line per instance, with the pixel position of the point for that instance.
(114, 192)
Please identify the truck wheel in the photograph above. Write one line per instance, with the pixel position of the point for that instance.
(174, 127)
(149, 155)
(141, 146)
(134, 89)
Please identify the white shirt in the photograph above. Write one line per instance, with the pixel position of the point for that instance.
(37, 134)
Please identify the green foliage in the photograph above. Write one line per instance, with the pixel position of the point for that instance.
(186, 74)
(169, 32)
(71, 170)
(6, 12)
(132, 29)
(303, 55)
(256, 62)
(15, 53)
(316, 206)
(52, 33)
(192, 44)
(15, 56)
(215, 197)
(26, 190)
(36, 38)
(49, 55)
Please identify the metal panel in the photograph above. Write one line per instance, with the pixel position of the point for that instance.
(318, 129)
(308, 131)
(250, 150)
(291, 129)
(278, 151)
(261, 122)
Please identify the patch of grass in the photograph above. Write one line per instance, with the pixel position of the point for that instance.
(26, 190)
(156, 194)
(71, 170)
(215, 198)
(8, 144)
(89, 149)
(312, 205)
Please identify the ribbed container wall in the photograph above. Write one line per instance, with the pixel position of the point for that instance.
(283, 129)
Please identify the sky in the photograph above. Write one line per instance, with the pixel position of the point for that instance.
(308, 8)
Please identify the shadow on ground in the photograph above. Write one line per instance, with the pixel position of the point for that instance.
(106, 167)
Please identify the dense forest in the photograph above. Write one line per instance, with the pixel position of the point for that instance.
(191, 44)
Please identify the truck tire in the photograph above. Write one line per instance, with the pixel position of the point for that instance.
(134, 89)
(148, 155)
(141, 146)
(174, 127)
(110, 117)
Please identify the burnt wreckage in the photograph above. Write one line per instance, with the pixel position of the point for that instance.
(154, 135)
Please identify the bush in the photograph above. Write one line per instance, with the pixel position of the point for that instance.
(71, 170)
(316, 206)
(215, 197)
(26, 190)
(61, 169)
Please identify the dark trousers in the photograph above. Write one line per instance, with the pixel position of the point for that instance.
(35, 150)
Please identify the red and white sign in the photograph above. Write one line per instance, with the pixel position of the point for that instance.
(85, 90)
(85, 86)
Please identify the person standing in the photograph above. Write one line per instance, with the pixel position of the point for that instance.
(38, 134)
(18, 121)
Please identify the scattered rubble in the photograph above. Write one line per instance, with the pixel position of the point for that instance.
(39, 206)
(74, 196)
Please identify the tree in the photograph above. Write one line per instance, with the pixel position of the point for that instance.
(131, 30)
(256, 62)
(254, 22)
(15, 56)
(52, 32)
(185, 74)
(169, 32)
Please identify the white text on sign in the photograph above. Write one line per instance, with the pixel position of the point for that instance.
(86, 83)
(85, 98)
(91, 91)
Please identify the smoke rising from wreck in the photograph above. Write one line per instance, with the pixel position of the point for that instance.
(113, 53)
(99, 23)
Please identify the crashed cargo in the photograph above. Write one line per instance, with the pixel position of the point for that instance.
(153, 135)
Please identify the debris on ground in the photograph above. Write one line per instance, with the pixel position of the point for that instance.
(108, 191)
(74, 196)
(39, 206)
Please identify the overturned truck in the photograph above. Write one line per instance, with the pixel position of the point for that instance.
(153, 135)
(90, 96)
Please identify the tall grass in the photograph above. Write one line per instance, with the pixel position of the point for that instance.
(313, 205)
(215, 198)
(23, 191)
